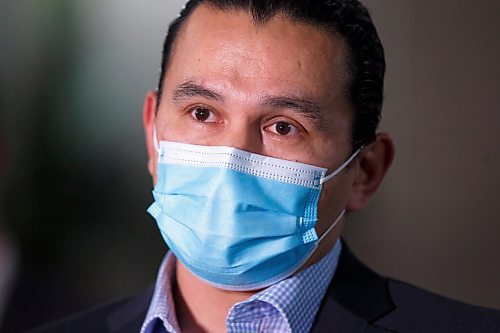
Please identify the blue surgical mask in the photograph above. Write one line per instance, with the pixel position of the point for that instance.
(238, 220)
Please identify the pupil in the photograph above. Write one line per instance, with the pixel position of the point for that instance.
(201, 114)
(283, 128)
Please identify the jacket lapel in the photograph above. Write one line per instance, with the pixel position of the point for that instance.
(335, 318)
(356, 298)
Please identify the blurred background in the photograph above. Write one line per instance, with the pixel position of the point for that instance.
(73, 181)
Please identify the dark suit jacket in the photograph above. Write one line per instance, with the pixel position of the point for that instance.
(357, 300)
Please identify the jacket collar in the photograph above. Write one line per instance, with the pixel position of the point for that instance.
(128, 317)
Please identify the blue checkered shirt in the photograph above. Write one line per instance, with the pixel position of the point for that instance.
(287, 306)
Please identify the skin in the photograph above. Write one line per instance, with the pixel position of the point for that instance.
(276, 89)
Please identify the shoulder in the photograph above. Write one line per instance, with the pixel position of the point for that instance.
(376, 302)
(122, 315)
(424, 311)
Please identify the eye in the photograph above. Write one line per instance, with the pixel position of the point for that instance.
(283, 128)
(203, 114)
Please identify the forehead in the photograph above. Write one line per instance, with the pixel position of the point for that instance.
(231, 44)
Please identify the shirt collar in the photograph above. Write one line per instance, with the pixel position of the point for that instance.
(297, 298)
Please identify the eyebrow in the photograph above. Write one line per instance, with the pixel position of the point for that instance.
(191, 89)
(309, 109)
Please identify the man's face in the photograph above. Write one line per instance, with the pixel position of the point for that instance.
(276, 89)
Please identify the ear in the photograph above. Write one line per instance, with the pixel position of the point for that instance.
(372, 165)
(149, 123)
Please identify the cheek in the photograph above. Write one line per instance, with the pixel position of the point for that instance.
(328, 202)
(331, 202)
(170, 126)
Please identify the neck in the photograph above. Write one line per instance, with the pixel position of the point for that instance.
(201, 307)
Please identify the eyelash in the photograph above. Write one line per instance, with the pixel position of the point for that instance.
(192, 113)
(290, 130)
(293, 127)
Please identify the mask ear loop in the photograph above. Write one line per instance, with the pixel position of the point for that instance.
(340, 168)
(155, 142)
(337, 220)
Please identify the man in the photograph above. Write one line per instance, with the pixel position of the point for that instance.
(261, 140)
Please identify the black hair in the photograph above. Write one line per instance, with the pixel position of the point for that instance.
(347, 18)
